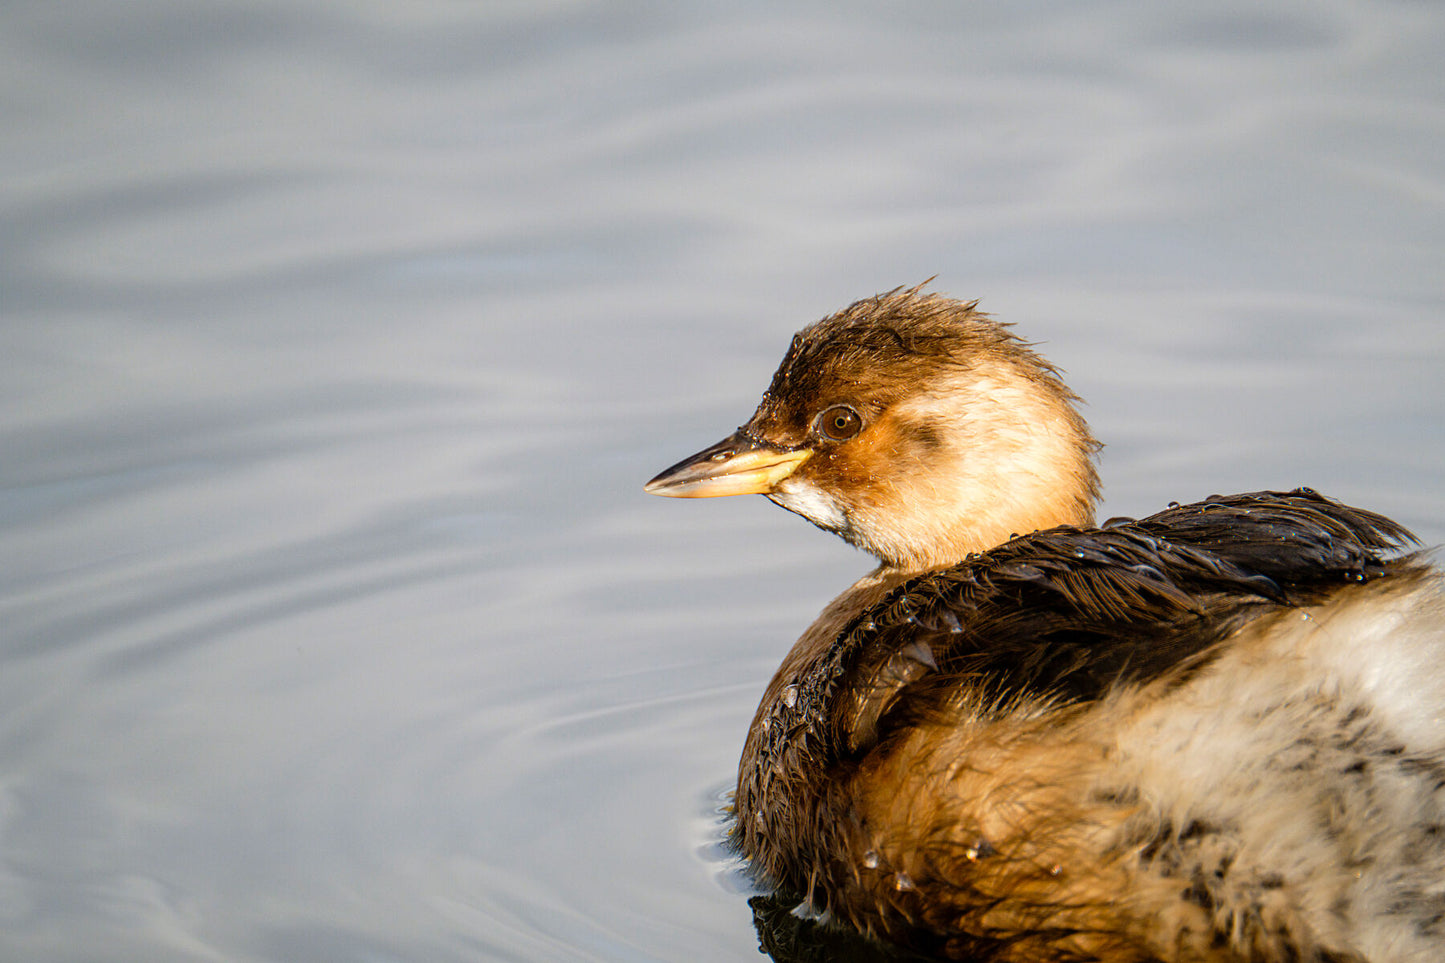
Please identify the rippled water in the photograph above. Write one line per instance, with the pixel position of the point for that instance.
(336, 340)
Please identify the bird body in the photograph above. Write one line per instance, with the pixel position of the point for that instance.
(1214, 734)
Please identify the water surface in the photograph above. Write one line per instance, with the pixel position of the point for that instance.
(336, 340)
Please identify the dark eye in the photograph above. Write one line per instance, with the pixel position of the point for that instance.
(840, 423)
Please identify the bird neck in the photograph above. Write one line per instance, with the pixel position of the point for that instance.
(1012, 457)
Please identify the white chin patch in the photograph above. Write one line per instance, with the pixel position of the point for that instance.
(812, 504)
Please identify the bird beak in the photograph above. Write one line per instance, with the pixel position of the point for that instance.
(737, 465)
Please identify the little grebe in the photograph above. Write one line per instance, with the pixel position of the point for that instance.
(1217, 733)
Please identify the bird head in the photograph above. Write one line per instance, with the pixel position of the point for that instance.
(914, 426)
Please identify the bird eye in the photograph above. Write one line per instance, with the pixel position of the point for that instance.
(840, 423)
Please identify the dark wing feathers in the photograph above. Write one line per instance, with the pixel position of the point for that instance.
(1299, 535)
(1069, 613)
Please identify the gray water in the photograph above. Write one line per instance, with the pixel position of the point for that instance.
(337, 339)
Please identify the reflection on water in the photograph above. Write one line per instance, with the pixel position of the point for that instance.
(339, 338)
